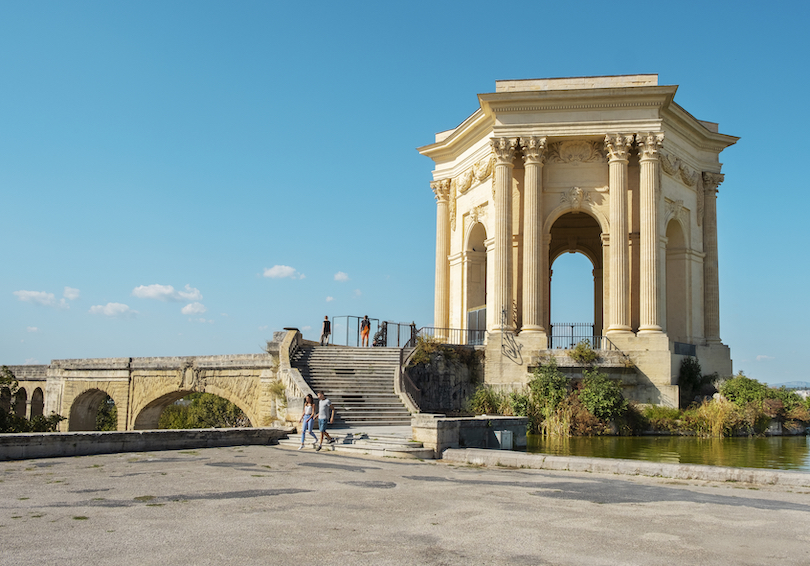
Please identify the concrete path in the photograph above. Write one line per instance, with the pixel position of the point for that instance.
(270, 505)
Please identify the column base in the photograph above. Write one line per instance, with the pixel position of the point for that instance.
(651, 329)
(532, 328)
(619, 330)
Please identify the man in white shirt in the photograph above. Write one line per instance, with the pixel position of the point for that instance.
(325, 411)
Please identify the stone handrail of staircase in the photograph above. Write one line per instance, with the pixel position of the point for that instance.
(408, 392)
(295, 384)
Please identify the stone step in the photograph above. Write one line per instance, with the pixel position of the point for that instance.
(381, 447)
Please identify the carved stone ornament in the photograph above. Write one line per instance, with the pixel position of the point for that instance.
(504, 150)
(534, 149)
(576, 151)
(712, 180)
(618, 146)
(478, 213)
(452, 207)
(649, 144)
(700, 200)
(674, 167)
(674, 210)
(574, 197)
(441, 189)
(478, 172)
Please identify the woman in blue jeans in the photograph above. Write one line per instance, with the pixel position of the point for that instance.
(308, 418)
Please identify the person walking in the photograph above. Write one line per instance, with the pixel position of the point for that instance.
(325, 412)
(365, 327)
(326, 330)
(308, 418)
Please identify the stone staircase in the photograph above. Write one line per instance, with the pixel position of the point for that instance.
(358, 381)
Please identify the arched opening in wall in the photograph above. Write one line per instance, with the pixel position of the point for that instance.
(5, 399)
(184, 409)
(475, 283)
(20, 402)
(677, 304)
(575, 290)
(37, 403)
(91, 410)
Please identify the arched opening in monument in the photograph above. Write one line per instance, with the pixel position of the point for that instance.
(677, 303)
(90, 410)
(475, 283)
(575, 288)
(37, 403)
(20, 402)
(186, 409)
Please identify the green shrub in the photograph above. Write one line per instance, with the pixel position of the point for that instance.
(715, 418)
(548, 387)
(486, 401)
(583, 353)
(204, 411)
(742, 390)
(662, 418)
(602, 396)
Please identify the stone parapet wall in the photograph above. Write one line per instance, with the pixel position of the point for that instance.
(54, 445)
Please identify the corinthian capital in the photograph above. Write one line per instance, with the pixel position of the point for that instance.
(649, 144)
(441, 189)
(618, 146)
(504, 149)
(711, 181)
(534, 149)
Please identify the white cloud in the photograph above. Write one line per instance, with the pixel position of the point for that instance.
(41, 298)
(201, 320)
(31, 361)
(329, 299)
(762, 358)
(340, 276)
(71, 293)
(306, 328)
(166, 293)
(118, 310)
(263, 327)
(357, 292)
(32, 329)
(282, 272)
(194, 308)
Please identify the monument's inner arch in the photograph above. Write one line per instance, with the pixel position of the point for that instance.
(475, 278)
(579, 232)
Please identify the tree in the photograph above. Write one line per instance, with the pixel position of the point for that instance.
(12, 422)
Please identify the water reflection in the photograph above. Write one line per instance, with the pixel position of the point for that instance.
(777, 452)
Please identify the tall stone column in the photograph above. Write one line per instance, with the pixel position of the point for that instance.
(650, 312)
(711, 279)
(441, 312)
(533, 259)
(618, 147)
(504, 149)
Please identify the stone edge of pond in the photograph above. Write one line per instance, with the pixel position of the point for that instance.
(505, 458)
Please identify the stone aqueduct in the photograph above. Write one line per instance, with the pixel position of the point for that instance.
(142, 387)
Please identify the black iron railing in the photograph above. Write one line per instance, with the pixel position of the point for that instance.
(458, 336)
(566, 335)
(395, 335)
(346, 330)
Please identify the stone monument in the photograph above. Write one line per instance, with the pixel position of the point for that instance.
(610, 167)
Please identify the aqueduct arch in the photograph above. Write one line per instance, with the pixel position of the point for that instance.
(84, 409)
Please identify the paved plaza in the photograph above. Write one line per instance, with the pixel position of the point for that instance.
(274, 505)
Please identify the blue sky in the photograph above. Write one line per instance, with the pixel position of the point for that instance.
(184, 178)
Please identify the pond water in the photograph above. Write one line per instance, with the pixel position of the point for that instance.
(776, 452)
